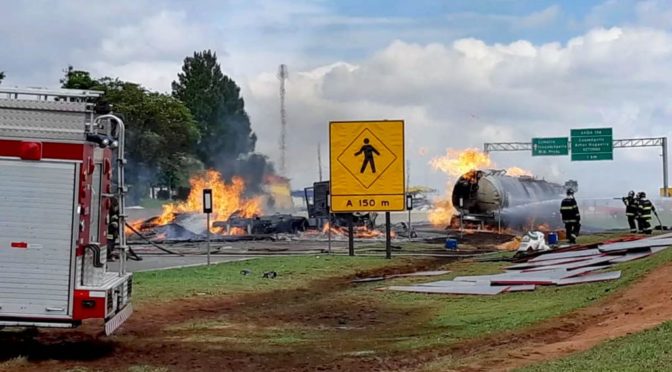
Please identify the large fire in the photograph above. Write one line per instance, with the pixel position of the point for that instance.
(227, 199)
(457, 163)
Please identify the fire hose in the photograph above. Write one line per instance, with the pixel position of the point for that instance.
(151, 242)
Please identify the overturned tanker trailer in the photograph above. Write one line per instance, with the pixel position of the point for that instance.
(493, 198)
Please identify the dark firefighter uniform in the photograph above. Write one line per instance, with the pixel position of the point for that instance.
(645, 208)
(569, 210)
(631, 210)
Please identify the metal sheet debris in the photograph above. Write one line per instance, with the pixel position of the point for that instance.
(521, 288)
(630, 257)
(448, 283)
(529, 265)
(538, 277)
(407, 275)
(636, 244)
(458, 289)
(566, 268)
(570, 254)
(589, 278)
(575, 265)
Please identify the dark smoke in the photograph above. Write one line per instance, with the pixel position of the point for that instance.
(253, 168)
(233, 154)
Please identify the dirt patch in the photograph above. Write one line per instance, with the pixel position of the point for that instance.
(178, 335)
(321, 328)
(642, 306)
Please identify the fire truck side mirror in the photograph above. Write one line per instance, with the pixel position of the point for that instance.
(409, 202)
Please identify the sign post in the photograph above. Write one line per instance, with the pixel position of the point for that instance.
(367, 166)
(592, 144)
(388, 236)
(550, 146)
(351, 236)
(207, 209)
(409, 208)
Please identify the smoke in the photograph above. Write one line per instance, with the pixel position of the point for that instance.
(233, 153)
(253, 168)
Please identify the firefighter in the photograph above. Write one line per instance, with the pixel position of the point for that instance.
(645, 208)
(571, 217)
(631, 210)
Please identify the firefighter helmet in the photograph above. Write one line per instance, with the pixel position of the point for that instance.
(642, 194)
(631, 194)
(570, 191)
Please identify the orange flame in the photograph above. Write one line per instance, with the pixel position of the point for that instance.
(458, 163)
(227, 199)
(360, 232)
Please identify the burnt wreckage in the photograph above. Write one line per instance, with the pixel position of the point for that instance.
(317, 203)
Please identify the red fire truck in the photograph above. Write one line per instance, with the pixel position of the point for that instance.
(62, 196)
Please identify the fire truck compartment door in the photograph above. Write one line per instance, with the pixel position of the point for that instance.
(37, 218)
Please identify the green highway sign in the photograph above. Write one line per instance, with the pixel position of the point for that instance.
(550, 146)
(592, 144)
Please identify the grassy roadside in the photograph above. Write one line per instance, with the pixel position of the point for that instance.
(457, 318)
(226, 278)
(646, 351)
(420, 321)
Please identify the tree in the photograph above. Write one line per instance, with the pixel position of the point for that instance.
(161, 132)
(77, 79)
(2, 76)
(214, 100)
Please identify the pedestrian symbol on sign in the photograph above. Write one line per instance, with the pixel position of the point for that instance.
(368, 151)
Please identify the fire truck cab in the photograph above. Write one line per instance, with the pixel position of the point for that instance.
(61, 173)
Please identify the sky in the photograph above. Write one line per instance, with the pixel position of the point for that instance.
(460, 73)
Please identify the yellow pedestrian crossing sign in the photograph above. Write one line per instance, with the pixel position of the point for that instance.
(367, 166)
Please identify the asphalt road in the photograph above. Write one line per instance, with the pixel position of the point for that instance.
(149, 263)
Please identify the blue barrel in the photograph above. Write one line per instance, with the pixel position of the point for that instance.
(552, 238)
(451, 243)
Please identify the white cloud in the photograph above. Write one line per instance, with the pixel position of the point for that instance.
(469, 92)
(166, 34)
(541, 18)
(453, 91)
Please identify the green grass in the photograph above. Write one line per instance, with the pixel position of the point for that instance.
(458, 318)
(404, 322)
(462, 318)
(226, 278)
(646, 351)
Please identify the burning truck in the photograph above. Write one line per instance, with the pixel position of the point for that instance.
(494, 198)
(61, 210)
(237, 216)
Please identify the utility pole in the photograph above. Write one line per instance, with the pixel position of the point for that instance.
(283, 75)
(319, 161)
(665, 182)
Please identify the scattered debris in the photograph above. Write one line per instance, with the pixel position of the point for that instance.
(246, 272)
(564, 268)
(476, 289)
(384, 277)
(270, 275)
